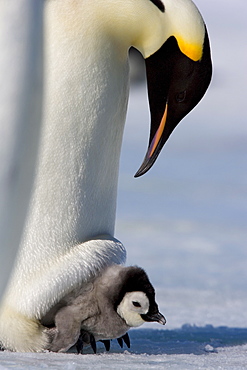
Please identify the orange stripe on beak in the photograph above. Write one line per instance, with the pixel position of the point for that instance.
(158, 134)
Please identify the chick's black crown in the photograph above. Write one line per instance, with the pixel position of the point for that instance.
(134, 279)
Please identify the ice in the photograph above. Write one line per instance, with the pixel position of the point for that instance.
(179, 356)
(185, 223)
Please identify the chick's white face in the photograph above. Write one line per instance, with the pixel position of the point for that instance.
(132, 306)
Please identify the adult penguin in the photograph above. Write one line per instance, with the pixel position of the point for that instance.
(68, 237)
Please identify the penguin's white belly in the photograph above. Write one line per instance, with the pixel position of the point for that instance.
(74, 200)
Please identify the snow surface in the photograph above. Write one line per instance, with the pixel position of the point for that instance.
(185, 223)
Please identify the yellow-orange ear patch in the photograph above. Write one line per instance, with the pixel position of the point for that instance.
(191, 50)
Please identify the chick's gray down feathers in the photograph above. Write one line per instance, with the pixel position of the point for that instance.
(92, 309)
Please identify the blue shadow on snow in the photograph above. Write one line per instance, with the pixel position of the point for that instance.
(187, 340)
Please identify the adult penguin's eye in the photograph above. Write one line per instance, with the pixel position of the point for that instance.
(136, 304)
(180, 97)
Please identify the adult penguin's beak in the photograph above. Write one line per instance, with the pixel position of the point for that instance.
(176, 84)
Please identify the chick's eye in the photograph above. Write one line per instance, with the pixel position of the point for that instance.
(180, 97)
(136, 304)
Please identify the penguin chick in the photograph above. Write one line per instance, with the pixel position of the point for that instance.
(120, 298)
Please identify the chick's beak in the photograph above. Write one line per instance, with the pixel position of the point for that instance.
(158, 317)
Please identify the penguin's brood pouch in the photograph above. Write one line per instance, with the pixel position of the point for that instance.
(120, 298)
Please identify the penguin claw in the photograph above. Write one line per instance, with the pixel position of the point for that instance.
(87, 338)
(79, 345)
(107, 344)
(126, 339)
(120, 341)
(93, 343)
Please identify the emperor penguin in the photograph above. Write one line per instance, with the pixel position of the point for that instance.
(118, 299)
(68, 237)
